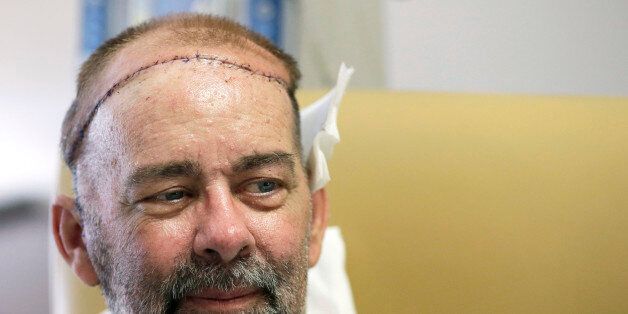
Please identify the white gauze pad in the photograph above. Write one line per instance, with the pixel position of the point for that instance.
(319, 131)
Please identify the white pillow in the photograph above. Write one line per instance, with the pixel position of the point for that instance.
(328, 288)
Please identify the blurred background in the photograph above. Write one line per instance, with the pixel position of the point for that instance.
(559, 47)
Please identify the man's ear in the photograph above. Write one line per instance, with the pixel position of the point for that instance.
(320, 215)
(67, 231)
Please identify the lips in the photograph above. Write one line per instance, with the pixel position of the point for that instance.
(218, 295)
(221, 301)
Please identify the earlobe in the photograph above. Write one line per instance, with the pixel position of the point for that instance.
(320, 215)
(67, 232)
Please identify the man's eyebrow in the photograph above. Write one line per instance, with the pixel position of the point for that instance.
(174, 169)
(257, 161)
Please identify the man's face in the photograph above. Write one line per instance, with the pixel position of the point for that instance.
(194, 198)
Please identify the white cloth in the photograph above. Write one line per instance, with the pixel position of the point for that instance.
(319, 131)
(328, 288)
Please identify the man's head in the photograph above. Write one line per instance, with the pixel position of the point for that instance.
(183, 144)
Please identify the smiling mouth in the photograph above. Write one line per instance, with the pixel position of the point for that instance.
(216, 300)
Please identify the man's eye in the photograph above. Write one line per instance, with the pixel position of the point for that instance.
(172, 196)
(264, 193)
(262, 186)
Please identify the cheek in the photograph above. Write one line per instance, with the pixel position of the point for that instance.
(281, 233)
(164, 241)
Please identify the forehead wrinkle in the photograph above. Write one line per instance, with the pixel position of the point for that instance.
(213, 60)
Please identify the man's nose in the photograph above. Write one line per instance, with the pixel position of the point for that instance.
(223, 232)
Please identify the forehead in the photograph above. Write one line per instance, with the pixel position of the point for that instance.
(194, 107)
(159, 47)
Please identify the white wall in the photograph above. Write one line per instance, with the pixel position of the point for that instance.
(507, 46)
(333, 32)
(39, 42)
(37, 66)
(23, 262)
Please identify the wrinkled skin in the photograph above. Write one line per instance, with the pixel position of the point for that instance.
(229, 226)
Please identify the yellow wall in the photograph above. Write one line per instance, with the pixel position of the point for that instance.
(480, 203)
(483, 204)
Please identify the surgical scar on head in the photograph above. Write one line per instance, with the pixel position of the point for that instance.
(210, 60)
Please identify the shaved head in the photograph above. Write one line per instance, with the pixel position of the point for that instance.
(100, 76)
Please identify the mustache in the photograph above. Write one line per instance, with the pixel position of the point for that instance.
(192, 275)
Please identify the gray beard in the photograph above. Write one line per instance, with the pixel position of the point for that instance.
(129, 286)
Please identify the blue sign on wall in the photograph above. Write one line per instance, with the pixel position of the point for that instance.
(94, 25)
(265, 17)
